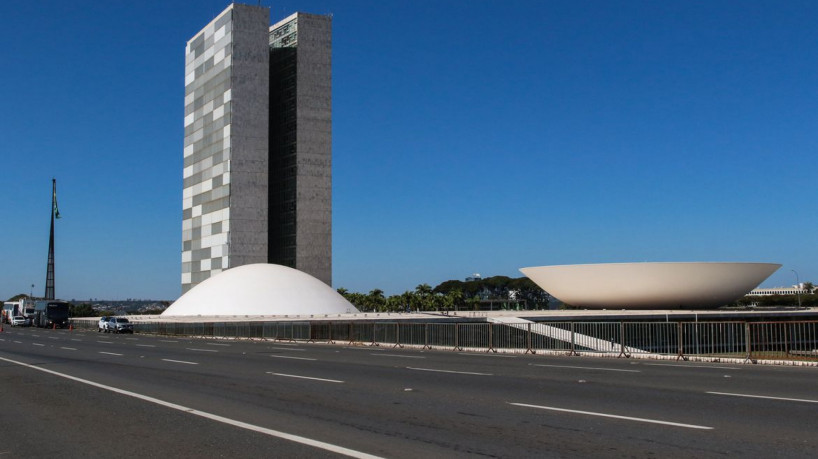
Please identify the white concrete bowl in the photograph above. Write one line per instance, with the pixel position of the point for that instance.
(260, 290)
(694, 285)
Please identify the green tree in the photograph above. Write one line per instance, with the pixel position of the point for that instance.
(375, 300)
(423, 300)
(411, 300)
(455, 299)
(82, 310)
(395, 303)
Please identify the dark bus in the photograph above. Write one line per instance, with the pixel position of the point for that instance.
(50, 313)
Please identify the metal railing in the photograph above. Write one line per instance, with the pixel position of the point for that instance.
(746, 341)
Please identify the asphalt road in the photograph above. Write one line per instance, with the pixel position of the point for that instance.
(86, 394)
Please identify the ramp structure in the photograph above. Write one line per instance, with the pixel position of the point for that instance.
(568, 336)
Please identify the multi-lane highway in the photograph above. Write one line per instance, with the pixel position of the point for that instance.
(72, 394)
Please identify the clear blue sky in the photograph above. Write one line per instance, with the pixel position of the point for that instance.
(468, 136)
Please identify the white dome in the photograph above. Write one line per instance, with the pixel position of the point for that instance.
(263, 290)
(650, 285)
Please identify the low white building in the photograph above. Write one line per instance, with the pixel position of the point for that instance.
(792, 290)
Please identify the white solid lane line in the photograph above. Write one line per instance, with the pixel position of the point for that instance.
(216, 344)
(243, 425)
(689, 366)
(614, 416)
(304, 377)
(109, 353)
(290, 357)
(450, 371)
(180, 361)
(584, 368)
(767, 397)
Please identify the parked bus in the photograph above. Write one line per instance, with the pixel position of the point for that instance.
(50, 313)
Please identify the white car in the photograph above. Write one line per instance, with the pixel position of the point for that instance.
(19, 321)
(120, 325)
(103, 324)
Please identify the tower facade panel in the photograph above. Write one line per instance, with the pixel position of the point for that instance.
(225, 146)
(258, 145)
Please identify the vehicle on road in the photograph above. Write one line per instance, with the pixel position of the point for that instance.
(120, 325)
(50, 313)
(103, 324)
(19, 321)
(10, 309)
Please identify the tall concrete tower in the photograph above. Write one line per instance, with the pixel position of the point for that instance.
(301, 144)
(257, 149)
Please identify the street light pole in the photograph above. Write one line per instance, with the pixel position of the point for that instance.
(797, 287)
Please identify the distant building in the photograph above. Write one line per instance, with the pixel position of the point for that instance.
(793, 290)
(258, 145)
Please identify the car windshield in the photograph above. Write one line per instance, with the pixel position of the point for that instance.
(122, 321)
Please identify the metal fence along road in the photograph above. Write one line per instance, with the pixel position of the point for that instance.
(768, 342)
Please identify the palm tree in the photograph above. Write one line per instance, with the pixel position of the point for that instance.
(424, 293)
(455, 298)
(375, 300)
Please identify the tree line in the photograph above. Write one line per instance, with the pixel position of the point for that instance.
(498, 292)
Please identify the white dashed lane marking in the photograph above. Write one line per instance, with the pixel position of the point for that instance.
(614, 416)
(766, 397)
(180, 361)
(304, 377)
(291, 357)
(450, 371)
(585, 368)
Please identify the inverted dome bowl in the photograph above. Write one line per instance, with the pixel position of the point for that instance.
(695, 285)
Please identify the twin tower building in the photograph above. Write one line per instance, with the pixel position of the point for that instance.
(258, 144)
